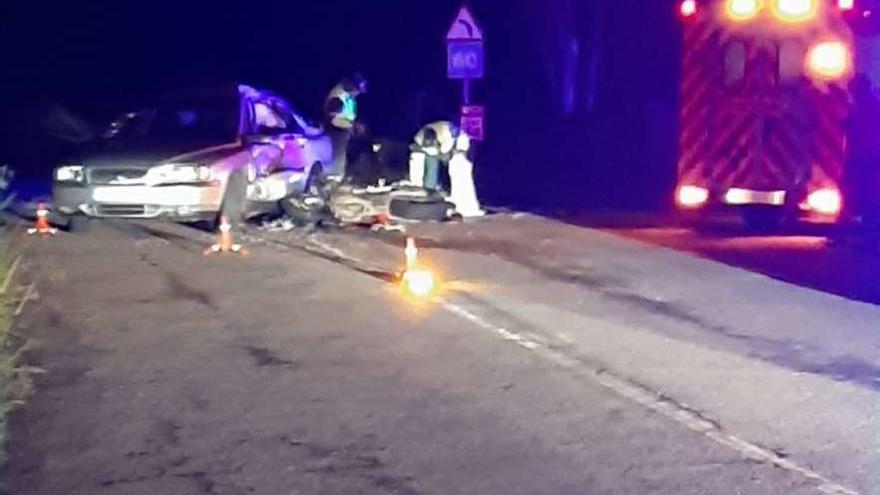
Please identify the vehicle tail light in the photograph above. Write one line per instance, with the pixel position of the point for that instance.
(846, 4)
(692, 196)
(825, 201)
(795, 10)
(829, 60)
(688, 8)
(742, 10)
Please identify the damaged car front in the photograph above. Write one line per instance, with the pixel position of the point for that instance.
(192, 157)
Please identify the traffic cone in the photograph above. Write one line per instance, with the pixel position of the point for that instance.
(41, 224)
(225, 244)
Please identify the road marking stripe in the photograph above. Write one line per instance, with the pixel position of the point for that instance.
(24, 300)
(503, 332)
(10, 275)
(656, 402)
(637, 393)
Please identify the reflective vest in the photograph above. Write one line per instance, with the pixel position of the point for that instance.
(341, 108)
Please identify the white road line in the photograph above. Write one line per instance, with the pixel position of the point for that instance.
(10, 275)
(655, 402)
(637, 393)
(24, 300)
(503, 332)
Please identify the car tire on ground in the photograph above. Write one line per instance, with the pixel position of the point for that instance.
(420, 209)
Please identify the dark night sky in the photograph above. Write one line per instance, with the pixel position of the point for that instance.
(96, 58)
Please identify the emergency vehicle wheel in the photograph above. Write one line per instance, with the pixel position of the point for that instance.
(762, 219)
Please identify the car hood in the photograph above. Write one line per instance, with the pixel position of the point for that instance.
(145, 155)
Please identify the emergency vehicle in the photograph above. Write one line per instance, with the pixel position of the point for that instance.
(765, 104)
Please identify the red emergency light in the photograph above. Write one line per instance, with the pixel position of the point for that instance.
(825, 201)
(691, 197)
(688, 8)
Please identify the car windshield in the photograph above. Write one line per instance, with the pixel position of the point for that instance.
(179, 120)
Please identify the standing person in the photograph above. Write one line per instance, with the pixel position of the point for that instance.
(341, 119)
(860, 175)
(444, 143)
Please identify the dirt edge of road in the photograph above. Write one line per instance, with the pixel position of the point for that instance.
(16, 291)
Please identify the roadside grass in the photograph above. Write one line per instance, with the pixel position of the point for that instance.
(15, 383)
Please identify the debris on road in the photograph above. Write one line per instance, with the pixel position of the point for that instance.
(283, 224)
(387, 227)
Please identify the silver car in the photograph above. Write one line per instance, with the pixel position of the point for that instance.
(196, 156)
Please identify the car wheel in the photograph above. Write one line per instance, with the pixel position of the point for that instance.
(420, 210)
(235, 199)
(316, 181)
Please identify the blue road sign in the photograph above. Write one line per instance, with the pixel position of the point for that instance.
(466, 60)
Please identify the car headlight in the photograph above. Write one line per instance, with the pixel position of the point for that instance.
(69, 173)
(204, 173)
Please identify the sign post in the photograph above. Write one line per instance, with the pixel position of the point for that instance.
(466, 61)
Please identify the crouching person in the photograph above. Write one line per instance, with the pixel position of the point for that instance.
(444, 143)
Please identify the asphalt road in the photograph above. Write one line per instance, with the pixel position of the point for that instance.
(798, 254)
(558, 360)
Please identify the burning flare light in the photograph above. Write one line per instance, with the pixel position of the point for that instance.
(416, 282)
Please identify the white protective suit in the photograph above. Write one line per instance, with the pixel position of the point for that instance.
(454, 144)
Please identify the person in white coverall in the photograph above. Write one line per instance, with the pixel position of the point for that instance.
(443, 142)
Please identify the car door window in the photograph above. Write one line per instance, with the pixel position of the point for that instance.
(268, 121)
(290, 119)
